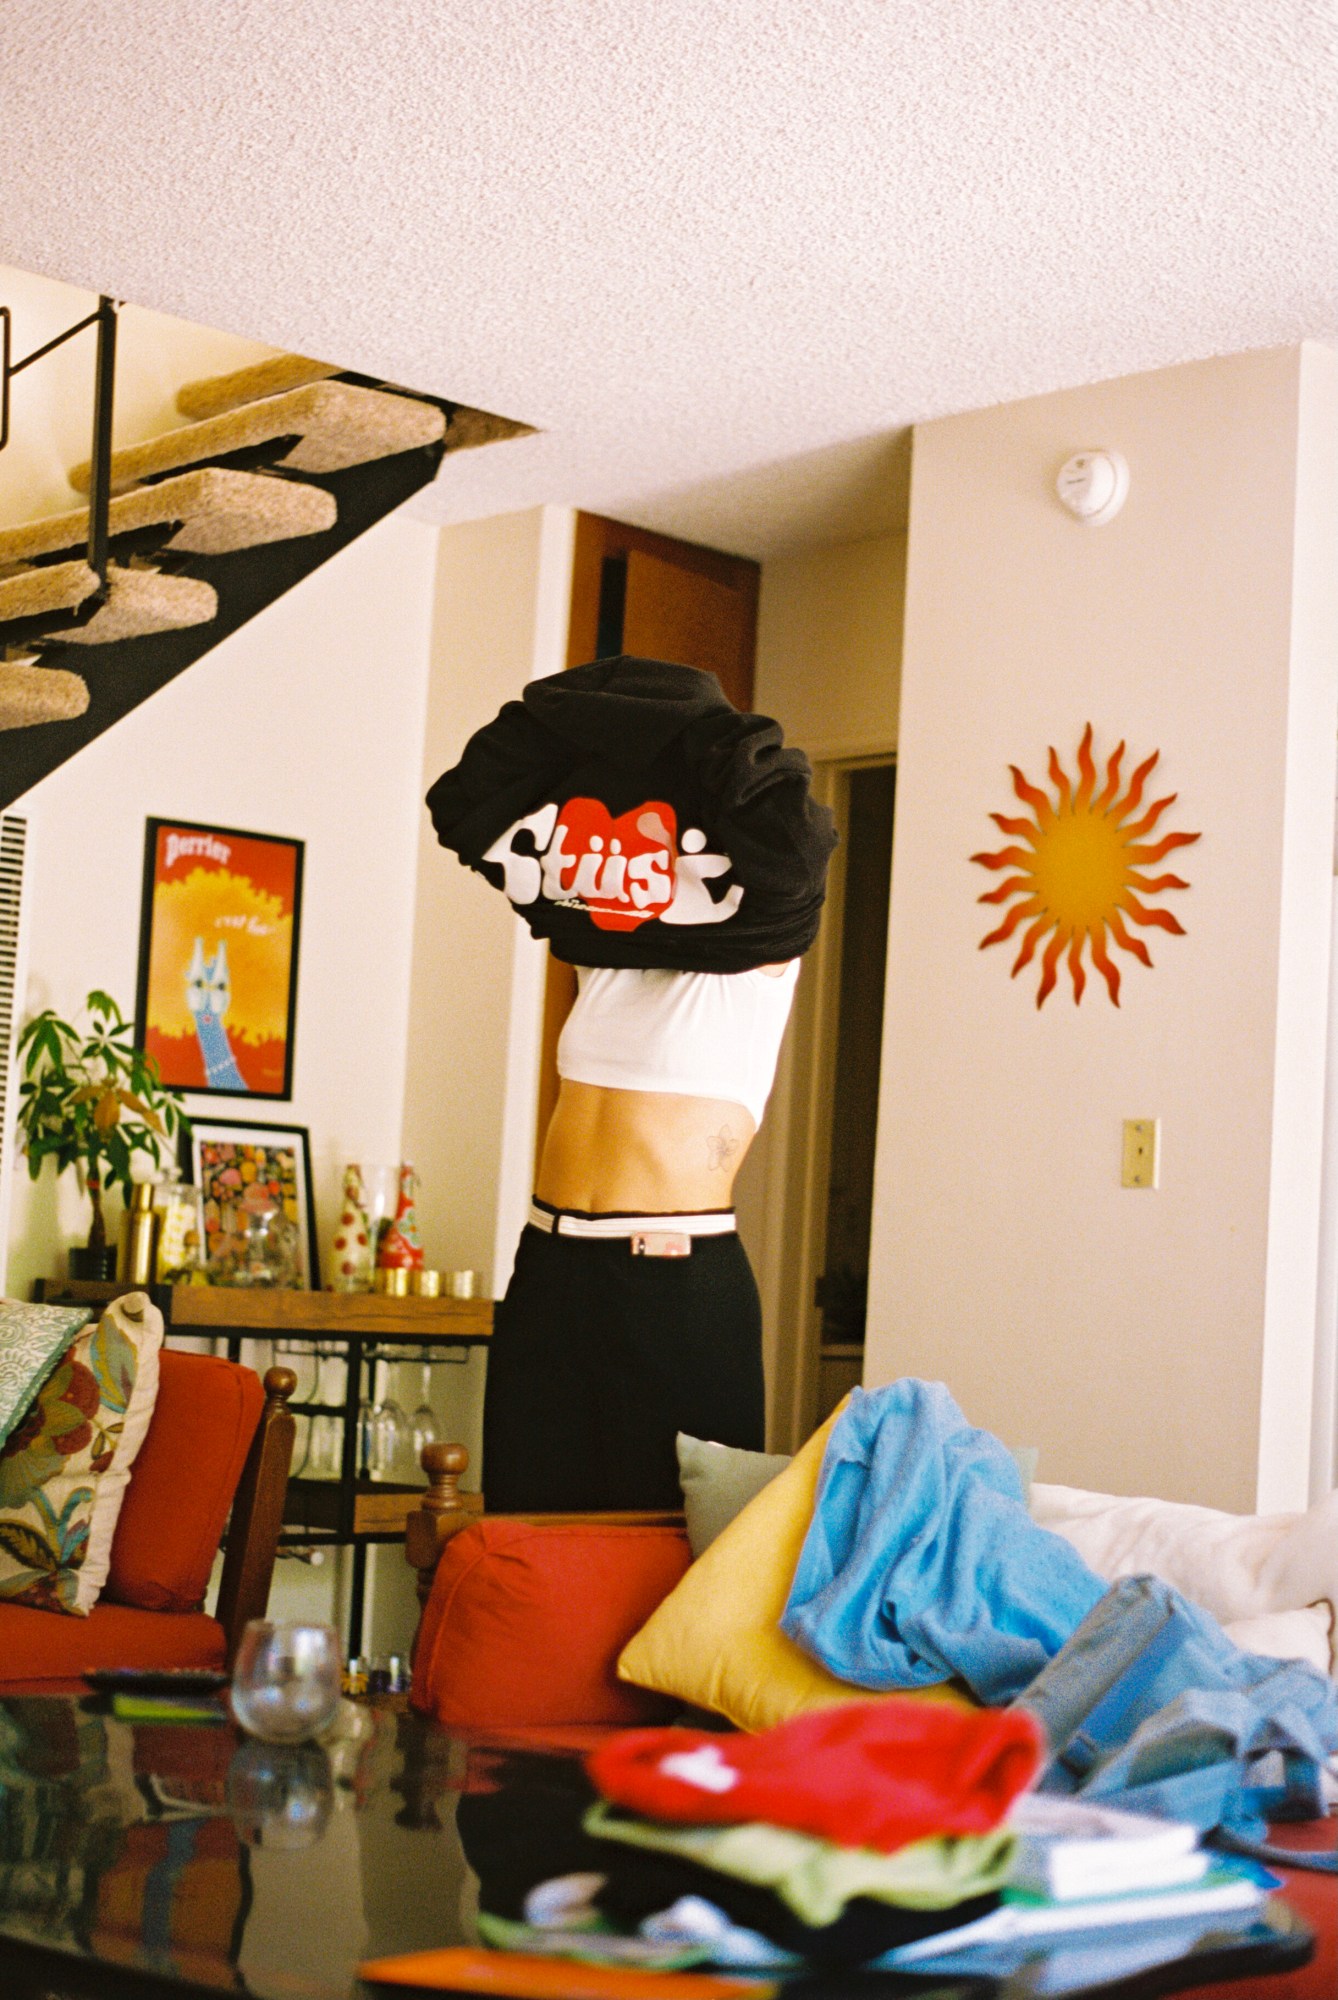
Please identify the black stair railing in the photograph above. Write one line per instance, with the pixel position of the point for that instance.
(104, 318)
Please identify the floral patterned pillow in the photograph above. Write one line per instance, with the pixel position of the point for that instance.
(54, 1462)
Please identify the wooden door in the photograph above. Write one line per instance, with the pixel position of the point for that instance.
(675, 614)
(659, 599)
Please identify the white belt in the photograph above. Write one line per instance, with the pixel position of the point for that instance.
(713, 1223)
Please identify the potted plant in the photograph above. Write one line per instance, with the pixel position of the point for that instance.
(93, 1101)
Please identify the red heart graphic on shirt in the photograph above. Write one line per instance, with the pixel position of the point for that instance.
(621, 870)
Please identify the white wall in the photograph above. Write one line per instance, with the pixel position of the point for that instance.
(306, 722)
(1158, 1342)
(829, 670)
(829, 646)
(475, 1004)
(52, 402)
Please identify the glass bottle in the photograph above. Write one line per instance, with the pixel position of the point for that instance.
(400, 1248)
(351, 1245)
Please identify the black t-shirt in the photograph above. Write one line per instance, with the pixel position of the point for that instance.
(634, 818)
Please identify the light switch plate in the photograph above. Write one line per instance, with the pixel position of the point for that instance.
(1141, 1147)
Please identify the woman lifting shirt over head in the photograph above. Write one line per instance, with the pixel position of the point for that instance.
(671, 850)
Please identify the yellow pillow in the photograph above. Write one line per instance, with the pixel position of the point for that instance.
(716, 1640)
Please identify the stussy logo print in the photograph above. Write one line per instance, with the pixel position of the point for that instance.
(623, 872)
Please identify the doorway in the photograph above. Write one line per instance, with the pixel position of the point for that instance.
(818, 1222)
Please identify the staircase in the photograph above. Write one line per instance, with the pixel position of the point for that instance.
(276, 468)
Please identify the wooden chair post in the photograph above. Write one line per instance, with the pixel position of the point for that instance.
(257, 1513)
(440, 1514)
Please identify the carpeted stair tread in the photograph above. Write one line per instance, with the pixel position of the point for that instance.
(57, 587)
(337, 424)
(31, 694)
(215, 394)
(219, 510)
(468, 429)
(143, 601)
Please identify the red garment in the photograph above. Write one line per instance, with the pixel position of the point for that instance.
(866, 1774)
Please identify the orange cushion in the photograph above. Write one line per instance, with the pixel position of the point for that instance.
(34, 1646)
(180, 1491)
(525, 1623)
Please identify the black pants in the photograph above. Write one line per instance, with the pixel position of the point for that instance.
(599, 1357)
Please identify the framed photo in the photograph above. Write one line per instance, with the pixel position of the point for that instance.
(237, 1165)
(216, 997)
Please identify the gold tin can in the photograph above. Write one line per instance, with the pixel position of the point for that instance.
(395, 1284)
(425, 1284)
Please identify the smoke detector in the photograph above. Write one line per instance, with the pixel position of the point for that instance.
(1093, 485)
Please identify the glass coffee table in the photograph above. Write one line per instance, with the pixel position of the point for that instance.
(139, 1858)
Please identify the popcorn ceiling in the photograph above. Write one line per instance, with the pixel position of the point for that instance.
(696, 237)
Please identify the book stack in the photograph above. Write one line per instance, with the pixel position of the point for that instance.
(1069, 1850)
(1082, 1867)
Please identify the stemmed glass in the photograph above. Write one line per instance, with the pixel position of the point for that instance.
(423, 1420)
(327, 1432)
(285, 1685)
(367, 1427)
(389, 1427)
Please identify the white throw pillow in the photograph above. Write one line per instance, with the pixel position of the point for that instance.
(1289, 1635)
(1240, 1567)
(142, 1324)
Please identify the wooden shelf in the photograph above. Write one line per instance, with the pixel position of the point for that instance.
(216, 1307)
(376, 1513)
(272, 1314)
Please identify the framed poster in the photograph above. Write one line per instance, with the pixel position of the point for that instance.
(216, 997)
(241, 1170)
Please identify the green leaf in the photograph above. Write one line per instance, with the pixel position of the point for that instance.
(114, 1361)
(29, 1548)
(65, 1078)
(118, 1155)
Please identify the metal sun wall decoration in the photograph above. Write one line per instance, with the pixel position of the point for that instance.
(1078, 874)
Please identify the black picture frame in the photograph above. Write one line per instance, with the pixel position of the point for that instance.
(181, 1067)
(270, 1135)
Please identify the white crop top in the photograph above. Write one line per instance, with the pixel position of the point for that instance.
(696, 1034)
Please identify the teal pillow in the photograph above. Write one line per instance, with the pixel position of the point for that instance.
(718, 1481)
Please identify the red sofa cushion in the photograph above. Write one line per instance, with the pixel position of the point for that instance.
(181, 1488)
(39, 1646)
(525, 1623)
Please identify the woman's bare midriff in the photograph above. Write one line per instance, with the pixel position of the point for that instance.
(641, 1152)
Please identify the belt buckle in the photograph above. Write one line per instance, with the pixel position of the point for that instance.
(661, 1243)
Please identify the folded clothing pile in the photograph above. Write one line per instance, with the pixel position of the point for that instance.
(835, 1837)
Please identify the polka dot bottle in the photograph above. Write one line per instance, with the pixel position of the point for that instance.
(351, 1246)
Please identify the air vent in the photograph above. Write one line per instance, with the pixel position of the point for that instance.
(13, 847)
